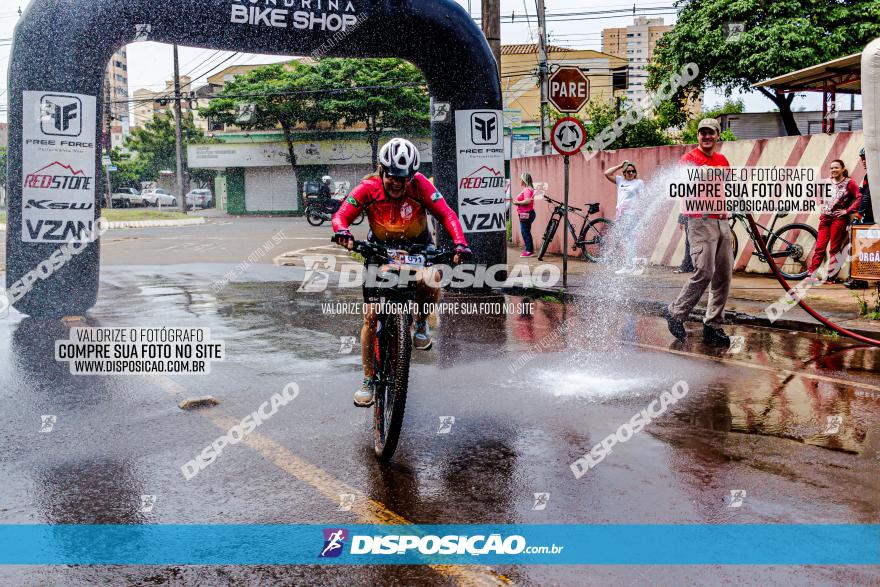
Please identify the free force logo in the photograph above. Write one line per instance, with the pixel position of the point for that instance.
(334, 542)
(58, 176)
(61, 115)
(484, 128)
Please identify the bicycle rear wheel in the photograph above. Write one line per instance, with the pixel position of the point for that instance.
(595, 241)
(393, 349)
(549, 233)
(790, 249)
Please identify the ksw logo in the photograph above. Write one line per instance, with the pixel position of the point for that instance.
(484, 128)
(50, 205)
(58, 176)
(60, 115)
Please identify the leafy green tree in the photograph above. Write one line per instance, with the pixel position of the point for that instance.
(130, 171)
(599, 115)
(155, 145)
(402, 104)
(780, 36)
(689, 134)
(278, 95)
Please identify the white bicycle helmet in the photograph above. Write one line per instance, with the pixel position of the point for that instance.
(399, 158)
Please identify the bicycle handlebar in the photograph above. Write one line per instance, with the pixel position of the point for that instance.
(546, 197)
(433, 256)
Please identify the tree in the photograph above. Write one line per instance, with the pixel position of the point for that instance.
(599, 115)
(689, 134)
(155, 145)
(130, 171)
(401, 104)
(780, 36)
(275, 96)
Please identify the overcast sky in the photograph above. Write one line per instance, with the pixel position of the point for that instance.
(150, 64)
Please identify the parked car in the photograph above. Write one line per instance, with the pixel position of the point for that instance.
(199, 199)
(159, 197)
(127, 197)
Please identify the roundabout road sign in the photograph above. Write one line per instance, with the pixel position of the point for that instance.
(568, 136)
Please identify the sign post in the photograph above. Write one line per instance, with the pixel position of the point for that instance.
(569, 89)
(107, 162)
(568, 137)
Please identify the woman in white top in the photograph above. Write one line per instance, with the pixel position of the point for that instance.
(630, 197)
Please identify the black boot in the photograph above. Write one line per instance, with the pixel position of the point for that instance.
(715, 335)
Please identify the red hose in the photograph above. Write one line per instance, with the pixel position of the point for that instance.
(802, 303)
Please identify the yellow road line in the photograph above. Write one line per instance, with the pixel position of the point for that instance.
(757, 367)
(369, 511)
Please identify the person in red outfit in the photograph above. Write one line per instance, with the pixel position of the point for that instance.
(835, 218)
(397, 200)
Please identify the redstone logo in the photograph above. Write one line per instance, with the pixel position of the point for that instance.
(483, 178)
(58, 176)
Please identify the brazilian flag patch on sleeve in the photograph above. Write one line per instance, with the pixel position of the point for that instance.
(353, 202)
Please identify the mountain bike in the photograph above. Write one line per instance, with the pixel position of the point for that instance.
(391, 356)
(790, 245)
(593, 238)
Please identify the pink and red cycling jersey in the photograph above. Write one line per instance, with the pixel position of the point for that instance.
(398, 219)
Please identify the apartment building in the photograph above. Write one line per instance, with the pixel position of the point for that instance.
(116, 111)
(636, 44)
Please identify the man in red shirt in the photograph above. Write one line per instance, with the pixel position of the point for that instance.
(711, 246)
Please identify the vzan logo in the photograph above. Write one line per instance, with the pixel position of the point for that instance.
(61, 115)
(484, 128)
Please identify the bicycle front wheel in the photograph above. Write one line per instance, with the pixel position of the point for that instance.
(393, 350)
(548, 236)
(596, 240)
(790, 249)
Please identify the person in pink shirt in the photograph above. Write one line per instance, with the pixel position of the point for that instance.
(525, 208)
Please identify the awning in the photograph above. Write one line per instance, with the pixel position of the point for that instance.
(844, 75)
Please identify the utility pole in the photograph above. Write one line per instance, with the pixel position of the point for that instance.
(492, 28)
(542, 73)
(107, 130)
(178, 124)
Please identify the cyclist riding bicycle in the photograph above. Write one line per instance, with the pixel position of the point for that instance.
(396, 201)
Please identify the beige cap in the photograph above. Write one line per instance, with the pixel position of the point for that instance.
(710, 123)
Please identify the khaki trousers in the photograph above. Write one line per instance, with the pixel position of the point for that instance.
(712, 255)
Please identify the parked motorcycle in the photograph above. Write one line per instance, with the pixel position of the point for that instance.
(317, 213)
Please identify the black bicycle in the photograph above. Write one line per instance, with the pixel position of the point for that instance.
(592, 240)
(790, 246)
(391, 357)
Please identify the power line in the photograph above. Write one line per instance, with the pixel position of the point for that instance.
(305, 92)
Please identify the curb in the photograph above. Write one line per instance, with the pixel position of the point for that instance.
(148, 223)
(656, 308)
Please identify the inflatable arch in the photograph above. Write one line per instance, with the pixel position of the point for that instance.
(60, 52)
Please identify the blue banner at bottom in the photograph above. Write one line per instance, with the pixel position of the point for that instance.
(749, 544)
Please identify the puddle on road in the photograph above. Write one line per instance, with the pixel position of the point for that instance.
(590, 386)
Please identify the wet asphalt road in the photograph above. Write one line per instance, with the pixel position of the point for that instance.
(755, 420)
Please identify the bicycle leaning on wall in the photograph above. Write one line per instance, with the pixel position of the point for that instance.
(593, 238)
